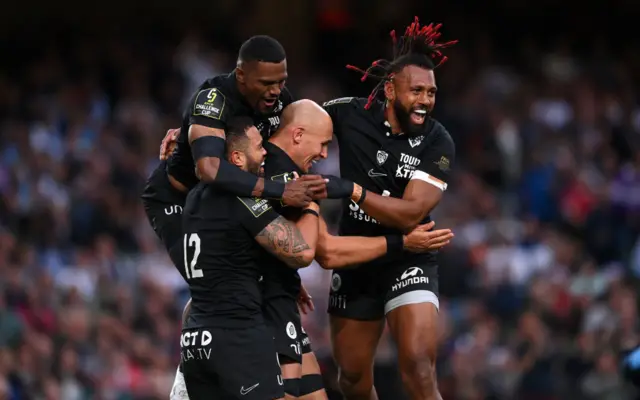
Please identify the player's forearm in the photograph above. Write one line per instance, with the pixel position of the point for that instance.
(308, 227)
(335, 252)
(207, 147)
(283, 239)
(395, 213)
(232, 179)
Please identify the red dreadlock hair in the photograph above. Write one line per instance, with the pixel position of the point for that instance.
(417, 46)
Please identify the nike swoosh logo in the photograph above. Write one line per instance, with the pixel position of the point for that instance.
(244, 391)
(374, 174)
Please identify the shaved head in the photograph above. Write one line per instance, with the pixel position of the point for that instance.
(305, 132)
(306, 113)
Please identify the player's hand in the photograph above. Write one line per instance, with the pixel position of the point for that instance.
(421, 239)
(169, 143)
(305, 302)
(337, 188)
(300, 192)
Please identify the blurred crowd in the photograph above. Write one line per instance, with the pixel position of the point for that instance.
(539, 287)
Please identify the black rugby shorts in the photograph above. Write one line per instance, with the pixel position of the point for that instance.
(370, 292)
(228, 364)
(283, 317)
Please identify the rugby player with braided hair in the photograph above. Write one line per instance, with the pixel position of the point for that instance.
(399, 159)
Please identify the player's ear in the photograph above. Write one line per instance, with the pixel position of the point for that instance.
(238, 159)
(297, 133)
(240, 73)
(389, 91)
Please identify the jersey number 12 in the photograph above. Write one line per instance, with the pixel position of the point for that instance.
(190, 268)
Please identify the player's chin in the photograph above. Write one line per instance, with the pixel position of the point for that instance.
(415, 129)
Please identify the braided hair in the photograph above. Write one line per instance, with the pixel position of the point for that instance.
(418, 46)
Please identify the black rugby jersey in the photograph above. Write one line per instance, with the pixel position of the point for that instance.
(280, 279)
(222, 259)
(214, 103)
(381, 162)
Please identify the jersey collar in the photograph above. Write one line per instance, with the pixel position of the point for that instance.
(278, 160)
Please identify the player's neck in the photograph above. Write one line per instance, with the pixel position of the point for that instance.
(391, 118)
(242, 91)
(275, 140)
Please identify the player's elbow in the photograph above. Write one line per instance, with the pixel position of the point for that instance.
(414, 215)
(408, 222)
(307, 257)
(302, 259)
(324, 261)
(323, 255)
(327, 260)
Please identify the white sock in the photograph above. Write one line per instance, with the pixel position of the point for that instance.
(179, 388)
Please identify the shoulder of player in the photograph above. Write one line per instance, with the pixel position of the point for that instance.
(346, 102)
(221, 84)
(286, 97)
(213, 100)
(255, 205)
(345, 107)
(439, 133)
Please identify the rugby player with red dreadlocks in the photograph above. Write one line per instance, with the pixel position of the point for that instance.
(399, 159)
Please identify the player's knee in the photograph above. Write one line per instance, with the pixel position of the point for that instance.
(418, 365)
(310, 383)
(292, 387)
(355, 382)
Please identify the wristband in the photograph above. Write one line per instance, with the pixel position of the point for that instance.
(313, 212)
(395, 244)
(362, 196)
(273, 189)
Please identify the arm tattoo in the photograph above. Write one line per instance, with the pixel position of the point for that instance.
(283, 239)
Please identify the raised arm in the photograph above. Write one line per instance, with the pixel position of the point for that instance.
(423, 192)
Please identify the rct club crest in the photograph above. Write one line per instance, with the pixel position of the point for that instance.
(381, 157)
(336, 282)
(415, 141)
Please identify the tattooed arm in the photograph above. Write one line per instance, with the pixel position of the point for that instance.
(292, 242)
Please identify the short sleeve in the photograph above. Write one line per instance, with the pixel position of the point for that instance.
(436, 161)
(290, 213)
(255, 214)
(209, 108)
